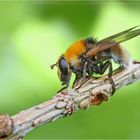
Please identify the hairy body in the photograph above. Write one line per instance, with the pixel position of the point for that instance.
(88, 56)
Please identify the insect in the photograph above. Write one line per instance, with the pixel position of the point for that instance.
(88, 56)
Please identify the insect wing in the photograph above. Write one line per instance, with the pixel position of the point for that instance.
(122, 36)
(113, 41)
(100, 47)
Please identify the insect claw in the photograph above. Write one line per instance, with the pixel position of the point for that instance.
(83, 81)
(116, 71)
(62, 89)
(80, 84)
(112, 84)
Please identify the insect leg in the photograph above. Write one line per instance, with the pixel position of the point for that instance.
(85, 70)
(136, 62)
(76, 81)
(77, 72)
(78, 76)
(122, 68)
(102, 70)
(110, 77)
(68, 80)
(67, 83)
(62, 89)
(103, 67)
(90, 69)
(91, 66)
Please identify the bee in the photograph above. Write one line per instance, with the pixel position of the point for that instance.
(88, 56)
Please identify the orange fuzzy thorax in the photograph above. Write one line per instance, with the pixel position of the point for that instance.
(74, 51)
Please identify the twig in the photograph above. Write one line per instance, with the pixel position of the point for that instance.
(65, 103)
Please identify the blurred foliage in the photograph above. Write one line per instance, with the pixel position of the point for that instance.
(32, 36)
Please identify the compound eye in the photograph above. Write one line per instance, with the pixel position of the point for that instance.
(63, 66)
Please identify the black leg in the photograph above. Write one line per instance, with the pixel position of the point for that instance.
(68, 80)
(76, 80)
(103, 68)
(80, 79)
(100, 68)
(85, 71)
(93, 66)
(110, 78)
(89, 65)
(77, 72)
(62, 89)
(78, 76)
(67, 83)
(90, 69)
(136, 62)
(116, 71)
(110, 69)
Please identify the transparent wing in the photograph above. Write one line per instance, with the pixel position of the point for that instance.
(113, 40)
(122, 36)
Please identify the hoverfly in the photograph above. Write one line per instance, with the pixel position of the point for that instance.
(88, 56)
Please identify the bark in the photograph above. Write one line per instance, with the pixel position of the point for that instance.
(65, 103)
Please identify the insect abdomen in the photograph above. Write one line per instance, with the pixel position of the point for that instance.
(121, 56)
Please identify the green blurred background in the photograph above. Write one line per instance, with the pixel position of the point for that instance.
(33, 35)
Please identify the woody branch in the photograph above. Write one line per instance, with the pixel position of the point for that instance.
(65, 103)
